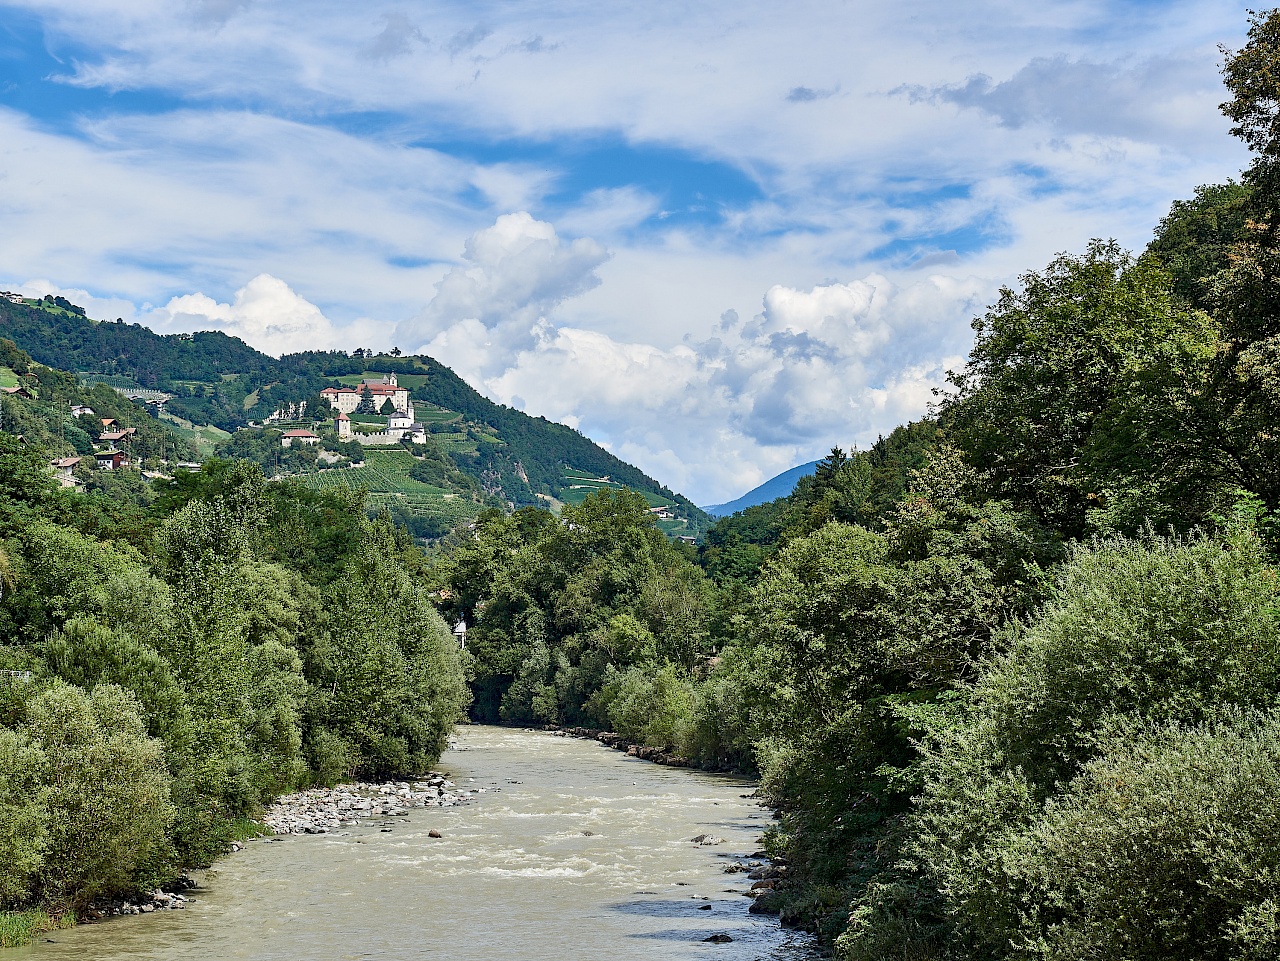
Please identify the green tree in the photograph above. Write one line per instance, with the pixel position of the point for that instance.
(1082, 399)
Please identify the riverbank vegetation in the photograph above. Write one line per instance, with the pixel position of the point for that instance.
(1010, 676)
(169, 670)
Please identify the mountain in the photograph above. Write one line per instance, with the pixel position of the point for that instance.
(476, 453)
(772, 489)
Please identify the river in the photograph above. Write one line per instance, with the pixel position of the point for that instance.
(573, 852)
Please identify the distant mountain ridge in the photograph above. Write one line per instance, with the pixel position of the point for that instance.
(214, 378)
(779, 486)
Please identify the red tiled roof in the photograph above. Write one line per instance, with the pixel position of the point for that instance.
(298, 433)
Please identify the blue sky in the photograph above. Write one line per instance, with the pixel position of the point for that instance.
(717, 237)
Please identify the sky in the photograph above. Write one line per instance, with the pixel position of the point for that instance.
(718, 238)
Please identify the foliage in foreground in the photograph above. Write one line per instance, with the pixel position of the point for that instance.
(240, 640)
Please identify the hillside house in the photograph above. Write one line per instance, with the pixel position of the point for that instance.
(63, 470)
(299, 436)
(117, 437)
(287, 412)
(111, 459)
(18, 392)
(80, 410)
(108, 423)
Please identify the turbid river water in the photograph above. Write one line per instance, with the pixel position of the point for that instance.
(573, 852)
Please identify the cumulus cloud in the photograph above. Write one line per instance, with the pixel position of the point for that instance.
(265, 313)
(469, 39)
(290, 155)
(838, 363)
(516, 273)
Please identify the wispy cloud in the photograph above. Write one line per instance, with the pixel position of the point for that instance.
(397, 38)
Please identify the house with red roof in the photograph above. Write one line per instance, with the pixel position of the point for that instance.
(298, 436)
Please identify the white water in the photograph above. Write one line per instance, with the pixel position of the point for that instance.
(574, 852)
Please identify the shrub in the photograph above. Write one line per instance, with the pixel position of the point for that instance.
(107, 793)
(23, 834)
(1047, 833)
(1165, 848)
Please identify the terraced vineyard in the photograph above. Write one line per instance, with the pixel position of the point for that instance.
(579, 484)
(385, 475)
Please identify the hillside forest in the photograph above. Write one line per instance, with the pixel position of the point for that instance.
(488, 453)
(1010, 677)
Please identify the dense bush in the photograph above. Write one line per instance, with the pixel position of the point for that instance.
(1079, 778)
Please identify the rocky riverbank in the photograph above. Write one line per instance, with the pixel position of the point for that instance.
(619, 743)
(322, 810)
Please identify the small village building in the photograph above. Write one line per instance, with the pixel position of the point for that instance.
(400, 420)
(80, 410)
(108, 423)
(63, 470)
(117, 437)
(302, 437)
(460, 633)
(18, 391)
(343, 425)
(417, 433)
(111, 459)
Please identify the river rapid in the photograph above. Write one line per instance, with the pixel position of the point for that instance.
(573, 851)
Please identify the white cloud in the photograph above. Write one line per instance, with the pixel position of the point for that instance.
(519, 271)
(837, 363)
(268, 315)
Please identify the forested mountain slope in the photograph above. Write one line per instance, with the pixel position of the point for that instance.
(216, 379)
